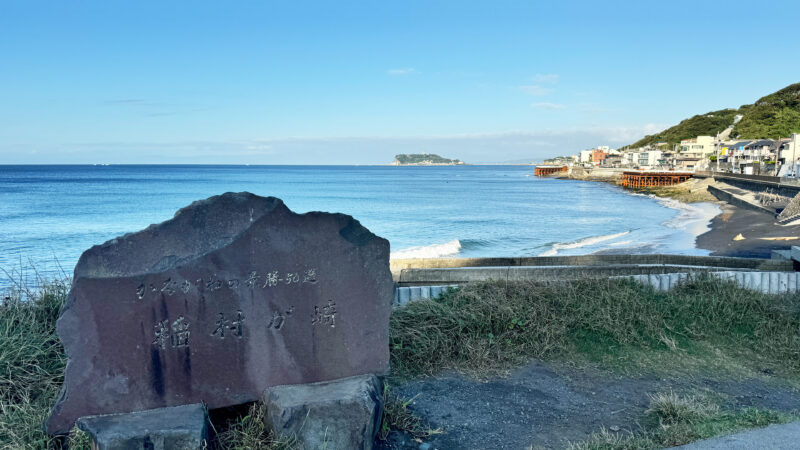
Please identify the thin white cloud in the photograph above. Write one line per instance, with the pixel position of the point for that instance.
(535, 89)
(472, 148)
(550, 78)
(548, 105)
(402, 71)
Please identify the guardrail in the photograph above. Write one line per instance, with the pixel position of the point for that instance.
(782, 181)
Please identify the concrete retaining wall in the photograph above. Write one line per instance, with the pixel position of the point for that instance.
(398, 265)
(755, 183)
(735, 200)
(425, 277)
(766, 282)
(403, 295)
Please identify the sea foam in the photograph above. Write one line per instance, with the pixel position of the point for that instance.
(585, 242)
(451, 248)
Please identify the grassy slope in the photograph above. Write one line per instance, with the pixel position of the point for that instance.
(484, 328)
(487, 327)
(773, 116)
(706, 328)
(31, 365)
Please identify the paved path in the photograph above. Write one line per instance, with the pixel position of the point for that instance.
(773, 437)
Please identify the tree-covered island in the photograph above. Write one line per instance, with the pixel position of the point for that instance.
(424, 159)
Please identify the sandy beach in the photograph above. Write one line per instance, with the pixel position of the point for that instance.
(758, 229)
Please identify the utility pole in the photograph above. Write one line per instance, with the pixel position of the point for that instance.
(794, 148)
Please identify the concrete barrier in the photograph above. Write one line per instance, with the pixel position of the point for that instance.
(436, 276)
(398, 265)
(739, 201)
(765, 282)
(403, 295)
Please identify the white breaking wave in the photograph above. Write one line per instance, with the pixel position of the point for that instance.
(451, 248)
(692, 220)
(553, 251)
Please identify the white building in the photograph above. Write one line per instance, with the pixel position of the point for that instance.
(789, 156)
(646, 158)
(586, 156)
(790, 150)
(649, 158)
(698, 147)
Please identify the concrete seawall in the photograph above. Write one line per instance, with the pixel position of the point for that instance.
(765, 282)
(739, 201)
(443, 271)
(417, 279)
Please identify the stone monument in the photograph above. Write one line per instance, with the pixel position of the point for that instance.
(233, 295)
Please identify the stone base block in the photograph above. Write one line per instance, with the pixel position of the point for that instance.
(175, 428)
(343, 414)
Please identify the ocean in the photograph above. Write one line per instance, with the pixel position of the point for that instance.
(50, 214)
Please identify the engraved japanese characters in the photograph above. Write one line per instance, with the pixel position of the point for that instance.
(234, 294)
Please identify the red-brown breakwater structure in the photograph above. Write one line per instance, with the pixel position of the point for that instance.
(548, 170)
(648, 179)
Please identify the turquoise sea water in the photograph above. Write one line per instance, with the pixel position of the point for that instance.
(50, 214)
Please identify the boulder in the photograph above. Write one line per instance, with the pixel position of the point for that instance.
(233, 295)
(341, 414)
(175, 428)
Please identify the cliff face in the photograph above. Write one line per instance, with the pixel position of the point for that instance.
(773, 116)
(423, 159)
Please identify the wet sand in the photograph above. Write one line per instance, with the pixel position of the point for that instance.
(750, 224)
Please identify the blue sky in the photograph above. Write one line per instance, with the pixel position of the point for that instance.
(289, 82)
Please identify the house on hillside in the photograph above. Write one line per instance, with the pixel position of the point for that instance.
(749, 156)
(699, 147)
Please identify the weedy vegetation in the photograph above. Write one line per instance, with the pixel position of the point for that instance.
(249, 432)
(397, 417)
(31, 364)
(484, 329)
(674, 419)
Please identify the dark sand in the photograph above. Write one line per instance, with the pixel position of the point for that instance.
(753, 226)
(549, 405)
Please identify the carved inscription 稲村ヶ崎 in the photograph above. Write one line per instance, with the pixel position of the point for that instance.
(253, 280)
(325, 315)
(279, 318)
(232, 326)
(175, 335)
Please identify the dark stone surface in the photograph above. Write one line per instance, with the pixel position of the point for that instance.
(233, 295)
(175, 428)
(339, 414)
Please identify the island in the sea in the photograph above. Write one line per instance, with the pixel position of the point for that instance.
(424, 159)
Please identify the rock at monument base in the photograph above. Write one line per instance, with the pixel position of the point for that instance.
(341, 414)
(176, 428)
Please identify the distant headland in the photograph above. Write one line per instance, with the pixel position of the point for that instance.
(424, 159)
